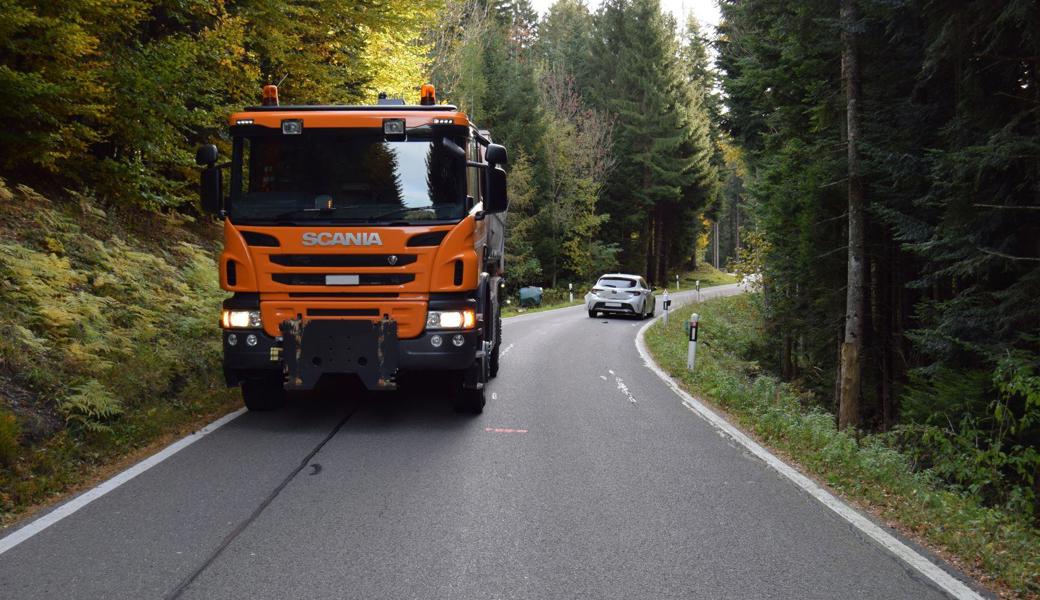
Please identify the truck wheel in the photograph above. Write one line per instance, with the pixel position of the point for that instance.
(263, 393)
(470, 402)
(493, 366)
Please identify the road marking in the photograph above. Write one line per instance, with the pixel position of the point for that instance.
(504, 430)
(494, 395)
(70, 507)
(603, 377)
(506, 350)
(622, 387)
(948, 583)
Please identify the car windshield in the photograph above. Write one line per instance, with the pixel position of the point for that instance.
(347, 177)
(616, 282)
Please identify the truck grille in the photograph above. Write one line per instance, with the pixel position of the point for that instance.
(318, 279)
(342, 260)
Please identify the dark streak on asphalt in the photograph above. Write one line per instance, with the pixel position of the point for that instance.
(176, 593)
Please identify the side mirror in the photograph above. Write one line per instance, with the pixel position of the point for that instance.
(495, 154)
(496, 200)
(206, 156)
(211, 189)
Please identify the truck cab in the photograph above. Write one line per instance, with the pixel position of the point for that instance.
(359, 240)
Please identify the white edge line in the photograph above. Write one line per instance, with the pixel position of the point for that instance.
(944, 580)
(70, 507)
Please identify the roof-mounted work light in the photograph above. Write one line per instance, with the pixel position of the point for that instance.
(427, 95)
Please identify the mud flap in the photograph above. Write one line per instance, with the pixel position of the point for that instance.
(366, 348)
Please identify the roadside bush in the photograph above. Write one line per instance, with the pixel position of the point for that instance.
(9, 434)
(108, 337)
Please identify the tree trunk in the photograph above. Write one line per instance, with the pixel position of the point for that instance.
(851, 364)
(660, 261)
(649, 261)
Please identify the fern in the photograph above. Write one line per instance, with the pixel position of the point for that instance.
(91, 406)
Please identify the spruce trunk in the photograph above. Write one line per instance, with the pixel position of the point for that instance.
(850, 365)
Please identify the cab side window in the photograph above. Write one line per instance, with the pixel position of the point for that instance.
(473, 173)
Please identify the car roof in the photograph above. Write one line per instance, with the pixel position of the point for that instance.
(620, 275)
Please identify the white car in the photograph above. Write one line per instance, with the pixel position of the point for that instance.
(621, 294)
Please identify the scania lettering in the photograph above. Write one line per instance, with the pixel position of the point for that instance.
(341, 239)
(364, 241)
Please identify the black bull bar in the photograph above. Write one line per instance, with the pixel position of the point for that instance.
(312, 348)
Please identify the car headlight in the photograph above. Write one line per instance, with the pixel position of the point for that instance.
(451, 319)
(240, 319)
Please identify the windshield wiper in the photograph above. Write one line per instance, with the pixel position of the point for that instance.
(319, 211)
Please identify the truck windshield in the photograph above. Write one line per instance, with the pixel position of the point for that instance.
(332, 177)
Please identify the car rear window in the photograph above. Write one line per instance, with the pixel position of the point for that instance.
(616, 282)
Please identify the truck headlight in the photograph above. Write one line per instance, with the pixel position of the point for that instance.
(451, 319)
(240, 319)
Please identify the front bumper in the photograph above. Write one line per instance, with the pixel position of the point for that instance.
(415, 354)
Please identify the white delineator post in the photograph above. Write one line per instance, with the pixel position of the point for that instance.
(691, 353)
(570, 291)
(667, 304)
(697, 284)
(677, 283)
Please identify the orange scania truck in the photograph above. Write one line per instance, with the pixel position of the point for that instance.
(358, 240)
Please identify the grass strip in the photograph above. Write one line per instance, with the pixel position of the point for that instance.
(1000, 549)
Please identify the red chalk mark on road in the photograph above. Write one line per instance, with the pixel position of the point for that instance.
(504, 430)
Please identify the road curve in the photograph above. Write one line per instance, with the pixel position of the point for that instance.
(584, 478)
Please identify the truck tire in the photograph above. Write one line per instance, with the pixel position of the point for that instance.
(263, 393)
(493, 366)
(470, 402)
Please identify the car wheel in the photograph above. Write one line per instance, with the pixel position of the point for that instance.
(592, 314)
(263, 393)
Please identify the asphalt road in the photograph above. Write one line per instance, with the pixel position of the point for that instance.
(584, 478)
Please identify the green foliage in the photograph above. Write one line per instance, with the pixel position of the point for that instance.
(104, 330)
(750, 260)
(950, 137)
(904, 475)
(614, 163)
(10, 432)
(91, 406)
(117, 95)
